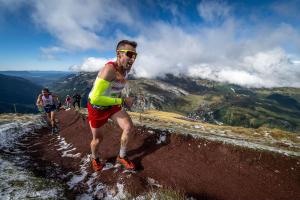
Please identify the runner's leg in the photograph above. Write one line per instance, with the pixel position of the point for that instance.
(48, 114)
(52, 117)
(125, 123)
(97, 139)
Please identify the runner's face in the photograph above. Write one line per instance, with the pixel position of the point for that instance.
(45, 93)
(125, 61)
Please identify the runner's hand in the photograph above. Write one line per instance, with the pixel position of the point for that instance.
(39, 105)
(129, 101)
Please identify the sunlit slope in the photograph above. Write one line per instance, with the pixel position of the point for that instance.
(205, 100)
(261, 138)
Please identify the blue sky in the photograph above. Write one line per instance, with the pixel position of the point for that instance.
(252, 43)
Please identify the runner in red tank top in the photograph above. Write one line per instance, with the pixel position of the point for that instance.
(105, 102)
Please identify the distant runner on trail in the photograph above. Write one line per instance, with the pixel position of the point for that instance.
(105, 102)
(46, 100)
(68, 102)
(76, 100)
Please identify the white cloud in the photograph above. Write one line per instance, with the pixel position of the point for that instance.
(91, 64)
(296, 62)
(11, 5)
(216, 53)
(264, 69)
(289, 9)
(50, 53)
(211, 10)
(230, 50)
(78, 25)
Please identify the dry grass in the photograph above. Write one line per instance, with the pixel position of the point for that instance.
(267, 136)
(180, 123)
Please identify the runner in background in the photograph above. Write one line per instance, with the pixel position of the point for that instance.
(76, 100)
(46, 101)
(68, 102)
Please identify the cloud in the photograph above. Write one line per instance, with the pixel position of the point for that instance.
(80, 25)
(12, 5)
(264, 69)
(216, 53)
(220, 53)
(8, 7)
(213, 10)
(91, 64)
(50, 53)
(229, 51)
(219, 47)
(288, 9)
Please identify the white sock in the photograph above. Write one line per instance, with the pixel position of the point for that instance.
(122, 152)
(95, 157)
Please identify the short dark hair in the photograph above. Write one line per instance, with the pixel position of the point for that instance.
(124, 42)
(45, 90)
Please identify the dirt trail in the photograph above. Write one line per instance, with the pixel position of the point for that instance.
(200, 168)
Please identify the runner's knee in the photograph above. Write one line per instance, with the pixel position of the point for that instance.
(95, 141)
(128, 128)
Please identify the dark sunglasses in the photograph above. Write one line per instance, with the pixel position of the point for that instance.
(129, 53)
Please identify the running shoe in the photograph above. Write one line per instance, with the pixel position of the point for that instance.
(125, 163)
(97, 165)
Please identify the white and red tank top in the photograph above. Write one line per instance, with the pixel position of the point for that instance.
(116, 86)
(47, 101)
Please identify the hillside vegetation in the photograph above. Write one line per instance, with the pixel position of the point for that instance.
(204, 100)
(18, 93)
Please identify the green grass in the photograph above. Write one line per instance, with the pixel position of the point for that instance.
(257, 117)
(186, 104)
(287, 91)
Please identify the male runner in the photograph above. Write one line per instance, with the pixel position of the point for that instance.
(105, 102)
(46, 100)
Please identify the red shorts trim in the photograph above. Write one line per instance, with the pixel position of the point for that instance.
(98, 118)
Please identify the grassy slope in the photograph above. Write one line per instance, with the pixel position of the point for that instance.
(268, 136)
(231, 104)
(248, 108)
(21, 92)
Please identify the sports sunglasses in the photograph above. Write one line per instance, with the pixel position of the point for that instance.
(129, 53)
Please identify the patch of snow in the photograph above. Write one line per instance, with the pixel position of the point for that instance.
(162, 138)
(66, 148)
(198, 126)
(12, 131)
(153, 182)
(77, 178)
(108, 166)
(118, 194)
(218, 123)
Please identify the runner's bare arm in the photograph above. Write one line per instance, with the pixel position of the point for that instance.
(39, 100)
(107, 73)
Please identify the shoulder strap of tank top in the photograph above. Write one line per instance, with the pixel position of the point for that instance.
(112, 63)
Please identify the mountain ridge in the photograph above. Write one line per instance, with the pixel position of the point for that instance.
(204, 100)
(18, 94)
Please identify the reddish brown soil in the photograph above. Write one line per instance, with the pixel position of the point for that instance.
(199, 168)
